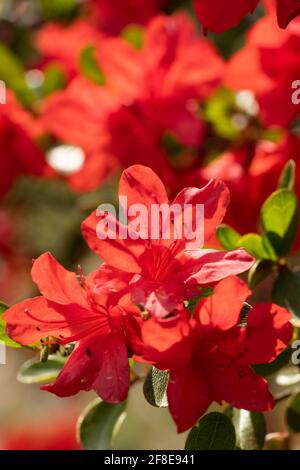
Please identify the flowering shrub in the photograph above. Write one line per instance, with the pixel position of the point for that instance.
(187, 279)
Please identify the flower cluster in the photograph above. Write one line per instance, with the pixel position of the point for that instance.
(138, 304)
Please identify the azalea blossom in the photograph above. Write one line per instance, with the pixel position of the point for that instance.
(68, 312)
(163, 273)
(220, 15)
(149, 96)
(209, 354)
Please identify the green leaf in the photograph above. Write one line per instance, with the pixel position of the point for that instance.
(90, 66)
(219, 111)
(134, 35)
(228, 237)
(54, 80)
(256, 246)
(250, 428)
(215, 431)
(286, 291)
(36, 372)
(3, 336)
(279, 217)
(293, 414)
(287, 178)
(58, 9)
(259, 272)
(99, 423)
(12, 73)
(155, 387)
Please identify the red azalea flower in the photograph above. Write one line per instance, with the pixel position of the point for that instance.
(224, 14)
(69, 312)
(163, 271)
(209, 355)
(18, 152)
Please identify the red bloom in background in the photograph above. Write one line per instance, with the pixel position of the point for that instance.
(148, 94)
(251, 174)
(64, 44)
(209, 355)
(163, 272)
(18, 152)
(112, 17)
(258, 67)
(69, 312)
(58, 433)
(220, 15)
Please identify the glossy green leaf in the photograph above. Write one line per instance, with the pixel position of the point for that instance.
(36, 372)
(293, 414)
(90, 66)
(287, 178)
(215, 431)
(99, 423)
(259, 272)
(250, 428)
(228, 237)
(155, 387)
(255, 245)
(279, 217)
(286, 291)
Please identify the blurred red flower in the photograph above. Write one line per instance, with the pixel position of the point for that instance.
(258, 67)
(150, 95)
(220, 15)
(112, 17)
(18, 152)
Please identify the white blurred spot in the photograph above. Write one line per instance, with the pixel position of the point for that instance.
(2, 353)
(34, 78)
(2, 92)
(240, 121)
(66, 159)
(246, 102)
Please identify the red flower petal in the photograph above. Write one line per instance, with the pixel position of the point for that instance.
(99, 363)
(166, 342)
(119, 253)
(215, 198)
(33, 319)
(287, 10)
(268, 333)
(220, 15)
(222, 309)
(239, 386)
(202, 267)
(189, 396)
(56, 283)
